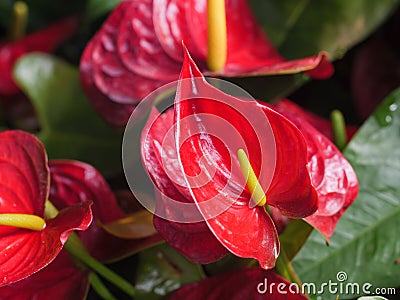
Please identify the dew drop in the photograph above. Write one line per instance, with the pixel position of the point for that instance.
(393, 107)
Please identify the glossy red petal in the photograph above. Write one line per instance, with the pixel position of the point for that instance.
(249, 283)
(28, 251)
(210, 128)
(291, 190)
(45, 40)
(138, 46)
(194, 240)
(24, 175)
(288, 107)
(176, 21)
(112, 112)
(112, 88)
(59, 280)
(331, 175)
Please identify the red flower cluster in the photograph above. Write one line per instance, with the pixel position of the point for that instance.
(139, 48)
(25, 185)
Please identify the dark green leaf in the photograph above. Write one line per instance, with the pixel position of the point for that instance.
(294, 236)
(228, 263)
(162, 270)
(5, 13)
(98, 8)
(366, 242)
(269, 88)
(40, 12)
(70, 128)
(304, 27)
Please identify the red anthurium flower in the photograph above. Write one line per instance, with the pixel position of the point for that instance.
(289, 108)
(248, 283)
(138, 49)
(24, 188)
(74, 182)
(240, 227)
(45, 40)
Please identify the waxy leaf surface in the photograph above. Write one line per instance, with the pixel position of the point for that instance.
(363, 245)
(162, 270)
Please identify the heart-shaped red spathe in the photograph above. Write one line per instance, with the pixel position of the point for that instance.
(247, 283)
(138, 49)
(24, 185)
(242, 228)
(45, 40)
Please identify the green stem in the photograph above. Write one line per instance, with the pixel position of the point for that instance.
(285, 268)
(99, 287)
(339, 129)
(76, 248)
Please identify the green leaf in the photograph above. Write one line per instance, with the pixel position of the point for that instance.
(70, 127)
(98, 8)
(227, 264)
(162, 270)
(294, 237)
(304, 27)
(270, 88)
(366, 244)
